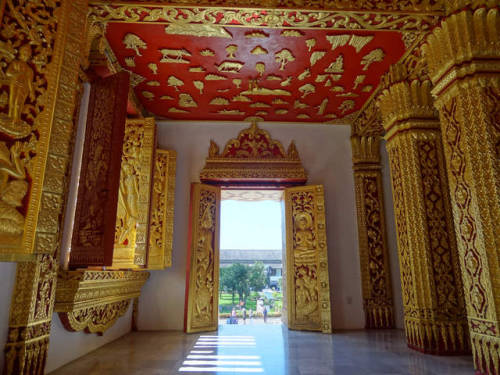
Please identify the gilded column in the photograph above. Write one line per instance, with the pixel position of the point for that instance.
(42, 52)
(432, 290)
(463, 55)
(373, 249)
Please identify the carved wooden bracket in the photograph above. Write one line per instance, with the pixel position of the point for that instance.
(92, 301)
(253, 159)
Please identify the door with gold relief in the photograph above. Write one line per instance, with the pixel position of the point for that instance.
(307, 291)
(202, 279)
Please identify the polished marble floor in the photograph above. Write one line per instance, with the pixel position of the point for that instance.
(265, 349)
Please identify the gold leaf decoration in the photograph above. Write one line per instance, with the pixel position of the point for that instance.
(197, 30)
(278, 101)
(231, 50)
(338, 40)
(197, 69)
(260, 67)
(207, 52)
(186, 100)
(259, 105)
(215, 77)
(219, 101)
(376, 55)
(321, 78)
(346, 106)
(281, 111)
(272, 77)
(286, 82)
(254, 119)
(331, 115)
(148, 95)
(135, 78)
(153, 83)
(237, 82)
(132, 41)
(359, 41)
(359, 80)
(336, 77)
(230, 112)
(367, 88)
(175, 82)
(173, 55)
(199, 85)
(316, 56)
(310, 43)
(261, 113)
(303, 116)
(254, 89)
(284, 57)
(306, 73)
(328, 83)
(299, 105)
(292, 33)
(337, 66)
(166, 97)
(337, 89)
(223, 90)
(241, 98)
(153, 67)
(229, 67)
(307, 89)
(322, 106)
(177, 110)
(129, 61)
(348, 95)
(256, 35)
(259, 51)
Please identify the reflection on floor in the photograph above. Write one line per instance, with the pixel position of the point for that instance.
(268, 349)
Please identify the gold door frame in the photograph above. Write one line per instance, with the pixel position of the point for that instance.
(202, 280)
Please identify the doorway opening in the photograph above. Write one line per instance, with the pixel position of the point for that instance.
(251, 257)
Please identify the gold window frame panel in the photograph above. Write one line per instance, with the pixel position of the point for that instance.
(161, 229)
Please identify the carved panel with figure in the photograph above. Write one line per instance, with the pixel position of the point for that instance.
(203, 267)
(308, 288)
(93, 231)
(132, 215)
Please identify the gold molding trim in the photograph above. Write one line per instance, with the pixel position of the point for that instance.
(263, 17)
(252, 158)
(92, 301)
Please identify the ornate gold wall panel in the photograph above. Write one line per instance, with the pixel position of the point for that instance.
(464, 63)
(433, 299)
(161, 228)
(202, 280)
(308, 286)
(54, 42)
(373, 246)
(93, 300)
(132, 219)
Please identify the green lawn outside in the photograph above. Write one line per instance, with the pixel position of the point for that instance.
(226, 305)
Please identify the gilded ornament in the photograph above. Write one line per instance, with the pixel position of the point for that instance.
(175, 82)
(219, 101)
(306, 73)
(231, 50)
(316, 56)
(148, 94)
(230, 112)
(129, 61)
(259, 51)
(207, 52)
(286, 82)
(310, 43)
(153, 67)
(337, 66)
(153, 83)
(135, 79)
(303, 116)
(375, 55)
(197, 30)
(346, 106)
(199, 85)
(260, 67)
(176, 110)
(197, 69)
(367, 88)
(307, 89)
(347, 95)
(322, 106)
(337, 89)
(256, 35)
(338, 40)
(259, 105)
(321, 78)
(166, 97)
(172, 55)
(241, 98)
(255, 89)
(292, 33)
(215, 77)
(186, 100)
(261, 113)
(359, 80)
(299, 105)
(229, 67)
(359, 41)
(278, 101)
(134, 42)
(273, 77)
(281, 111)
(284, 57)
(237, 82)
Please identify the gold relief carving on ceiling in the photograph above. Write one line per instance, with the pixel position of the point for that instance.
(253, 156)
(92, 301)
(274, 18)
(162, 210)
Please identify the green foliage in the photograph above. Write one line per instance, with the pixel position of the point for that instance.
(241, 279)
(257, 277)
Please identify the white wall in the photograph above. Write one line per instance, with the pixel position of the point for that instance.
(391, 238)
(326, 155)
(66, 346)
(7, 281)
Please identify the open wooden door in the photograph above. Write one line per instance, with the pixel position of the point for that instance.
(202, 279)
(307, 298)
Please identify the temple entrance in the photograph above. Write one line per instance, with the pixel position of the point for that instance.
(251, 257)
(254, 161)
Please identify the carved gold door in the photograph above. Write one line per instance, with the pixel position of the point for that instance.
(307, 290)
(202, 279)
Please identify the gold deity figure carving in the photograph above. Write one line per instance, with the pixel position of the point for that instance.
(204, 260)
(305, 241)
(19, 77)
(128, 209)
(13, 188)
(306, 293)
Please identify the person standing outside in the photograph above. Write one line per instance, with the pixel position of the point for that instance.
(265, 313)
(244, 313)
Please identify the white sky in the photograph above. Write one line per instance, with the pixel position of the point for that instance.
(250, 225)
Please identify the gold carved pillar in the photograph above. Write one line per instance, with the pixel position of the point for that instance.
(463, 55)
(432, 290)
(373, 249)
(41, 44)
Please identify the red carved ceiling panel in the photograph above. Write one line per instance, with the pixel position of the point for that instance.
(239, 73)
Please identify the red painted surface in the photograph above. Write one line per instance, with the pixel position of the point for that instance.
(156, 39)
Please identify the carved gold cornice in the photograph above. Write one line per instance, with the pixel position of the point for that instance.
(252, 158)
(369, 121)
(359, 19)
(365, 150)
(94, 300)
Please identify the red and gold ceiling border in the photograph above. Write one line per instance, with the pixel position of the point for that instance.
(253, 159)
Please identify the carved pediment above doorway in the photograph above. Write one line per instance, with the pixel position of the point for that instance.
(253, 159)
